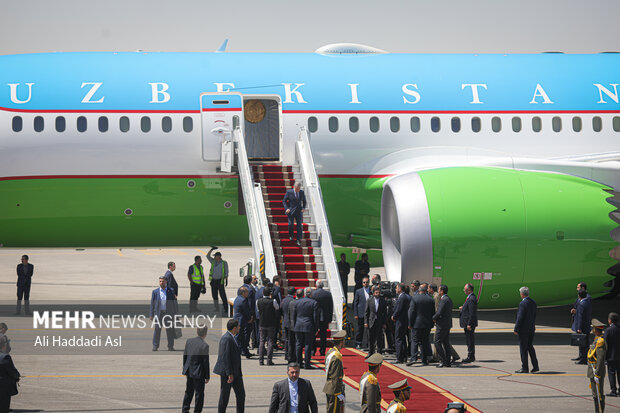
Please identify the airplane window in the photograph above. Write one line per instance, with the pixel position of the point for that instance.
(394, 124)
(235, 122)
(577, 124)
(435, 124)
(456, 124)
(38, 123)
(333, 124)
(415, 124)
(166, 124)
(476, 124)
(18, 124)
(354, 124)
(60, 124)
(374, 124)
(188, 124)
(123, 123)
(81, 124)
(597, 124)
(616, 123)
(536, 124)
(313, 124)
(556, 123)
(103, 124)
(496, 124)
(145, 124)
(516, 124)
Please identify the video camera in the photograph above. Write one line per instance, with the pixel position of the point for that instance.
(458, 406)
(388, 289)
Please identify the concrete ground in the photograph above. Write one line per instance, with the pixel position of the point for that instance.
(133, 378)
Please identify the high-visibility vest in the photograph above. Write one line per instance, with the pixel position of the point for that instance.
(198, 276)
(224, 270)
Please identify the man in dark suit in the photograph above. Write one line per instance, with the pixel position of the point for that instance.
(162, 311)
(268, 309)
(344, 268)
(306, 316)
(401, 322)
(25, 271)
(247, 283)
(443, 324)
(196, 369)
(286, 323)
(241, 313)
(292, 356)
(294, 204)
(612, 339)
(524, 328)
(362, 269)
(293, 394)
(359, 310)
(228, 367)
(468, 320)
(581, 323)
(170, 281)
(326, 312)
(421, 312)
(375, 319)
(9, 376)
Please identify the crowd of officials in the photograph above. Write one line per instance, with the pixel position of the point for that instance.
(265, 316)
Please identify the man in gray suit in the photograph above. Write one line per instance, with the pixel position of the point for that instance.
(443, 324)
(162, 312)
(293, 394)
(306, 316)
(196, 368)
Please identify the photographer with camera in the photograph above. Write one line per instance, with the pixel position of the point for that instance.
(454, 407)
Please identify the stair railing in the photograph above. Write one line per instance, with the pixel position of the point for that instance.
(260, 236)
(314, 196)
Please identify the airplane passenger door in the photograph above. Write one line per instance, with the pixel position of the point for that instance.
(220, 114)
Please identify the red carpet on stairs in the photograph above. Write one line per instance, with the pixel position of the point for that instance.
(296, 264)
(425, 396)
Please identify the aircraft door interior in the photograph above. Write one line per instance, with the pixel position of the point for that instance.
(262, 127)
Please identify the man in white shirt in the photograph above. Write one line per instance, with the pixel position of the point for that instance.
(294, 394)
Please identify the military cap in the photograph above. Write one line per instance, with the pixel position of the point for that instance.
(399, 385)
(339, 335)
(597, 324)
(375, 359)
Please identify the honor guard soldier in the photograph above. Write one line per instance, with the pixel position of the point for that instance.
(596, 365)
(334, 386)
(402, 392)
(369, 385)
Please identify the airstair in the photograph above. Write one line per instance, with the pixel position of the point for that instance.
(264, 185)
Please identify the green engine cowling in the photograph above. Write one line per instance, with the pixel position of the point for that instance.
(498, 229)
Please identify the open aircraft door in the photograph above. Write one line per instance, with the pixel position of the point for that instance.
(220, 114)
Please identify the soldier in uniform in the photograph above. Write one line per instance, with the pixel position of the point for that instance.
(596, 365)
(402, 392)
(369, 385)
(334, 386)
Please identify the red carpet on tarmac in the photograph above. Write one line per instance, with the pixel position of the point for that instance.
(425, 396)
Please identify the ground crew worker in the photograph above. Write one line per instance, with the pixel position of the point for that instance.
(370, 391)
(402, 392)
(196, 276)
(334, 386)
(218, 278)
(596, 365)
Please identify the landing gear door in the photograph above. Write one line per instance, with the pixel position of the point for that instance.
(220, 114)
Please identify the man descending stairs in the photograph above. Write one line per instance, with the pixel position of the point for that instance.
(298, 265)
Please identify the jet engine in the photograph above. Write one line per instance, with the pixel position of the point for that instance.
(498, 229)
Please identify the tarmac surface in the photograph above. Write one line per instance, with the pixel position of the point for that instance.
(132, 378)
